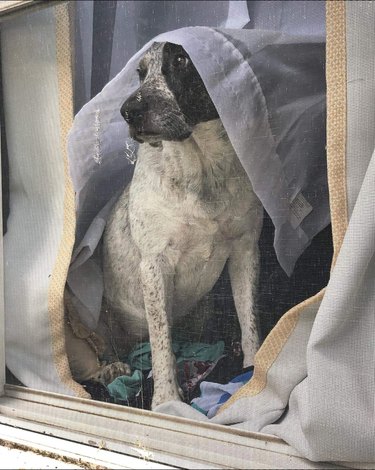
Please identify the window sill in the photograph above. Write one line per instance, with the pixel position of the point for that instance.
(140, 434)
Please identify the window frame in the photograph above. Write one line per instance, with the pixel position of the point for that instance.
(142, 434)
(145, 434)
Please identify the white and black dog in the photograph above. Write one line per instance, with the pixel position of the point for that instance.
(188, 210)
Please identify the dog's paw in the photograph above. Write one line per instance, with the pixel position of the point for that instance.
(110, 372)
(163, 394)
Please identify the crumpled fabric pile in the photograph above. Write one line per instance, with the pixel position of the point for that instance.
(194, 361)
(205, 374)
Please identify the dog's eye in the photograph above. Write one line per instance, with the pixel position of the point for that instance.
(180, 61)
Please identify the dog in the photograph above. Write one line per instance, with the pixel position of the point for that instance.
(189, 209)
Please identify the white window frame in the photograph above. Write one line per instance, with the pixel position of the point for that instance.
(121, 433)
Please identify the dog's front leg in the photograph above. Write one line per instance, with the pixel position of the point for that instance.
(157, 285)
(243, 271)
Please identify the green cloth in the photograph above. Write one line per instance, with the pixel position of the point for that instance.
(140, 357)
(126, 387)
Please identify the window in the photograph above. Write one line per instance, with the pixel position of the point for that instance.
(61, 177)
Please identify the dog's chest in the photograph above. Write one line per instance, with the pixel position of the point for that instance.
(190, 198)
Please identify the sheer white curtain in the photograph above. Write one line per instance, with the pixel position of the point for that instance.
(109, 33)
(36, 183)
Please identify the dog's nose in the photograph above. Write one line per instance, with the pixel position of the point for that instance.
(133, 110)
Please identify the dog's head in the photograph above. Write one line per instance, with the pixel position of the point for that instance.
(171, 99)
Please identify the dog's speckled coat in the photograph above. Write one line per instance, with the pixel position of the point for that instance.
(189, 208)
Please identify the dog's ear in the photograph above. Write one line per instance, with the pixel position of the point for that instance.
(186, 84)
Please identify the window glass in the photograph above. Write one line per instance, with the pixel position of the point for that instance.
(217, 130)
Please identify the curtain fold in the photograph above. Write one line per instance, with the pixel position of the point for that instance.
(34, 332)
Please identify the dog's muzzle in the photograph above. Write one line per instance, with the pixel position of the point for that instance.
(152, 117)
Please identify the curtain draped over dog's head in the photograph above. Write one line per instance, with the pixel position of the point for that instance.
(269, 90)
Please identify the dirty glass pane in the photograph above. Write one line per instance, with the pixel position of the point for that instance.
(218, 134)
